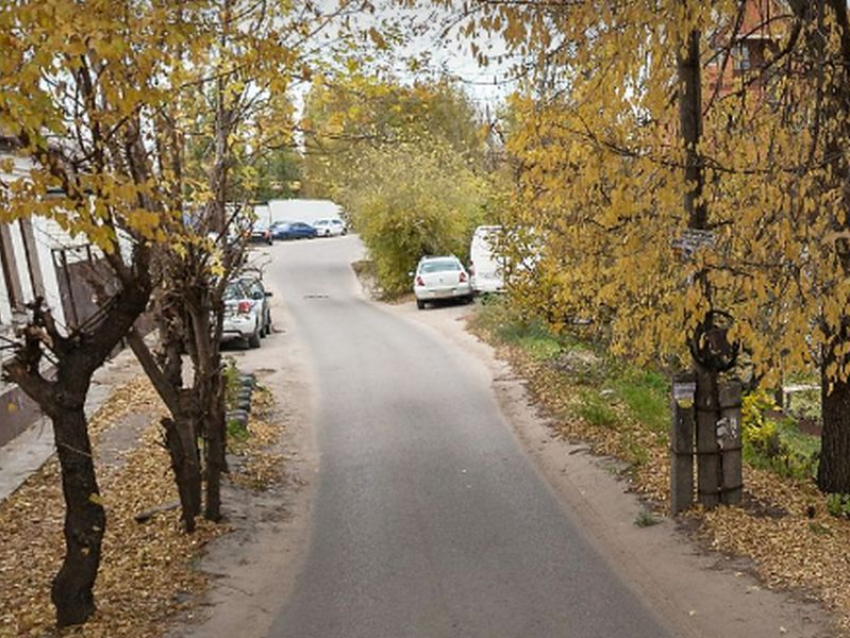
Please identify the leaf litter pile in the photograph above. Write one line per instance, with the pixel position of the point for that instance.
(784, 526)
(147, 570)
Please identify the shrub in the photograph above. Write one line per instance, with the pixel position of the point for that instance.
(776, 445)
(412, 200)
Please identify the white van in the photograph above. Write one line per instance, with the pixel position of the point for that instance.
(486, 269)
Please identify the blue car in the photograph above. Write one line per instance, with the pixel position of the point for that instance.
(292, 230)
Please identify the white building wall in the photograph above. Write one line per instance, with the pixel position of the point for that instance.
(20, 169)
(48, 269)
(302, 210)
(47, 235)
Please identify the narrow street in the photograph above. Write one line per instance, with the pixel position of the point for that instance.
(429, 519)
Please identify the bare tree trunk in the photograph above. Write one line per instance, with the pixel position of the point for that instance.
(216, 448)
(181, 429)
(833, 125)
(209, 386)
(85, 519)
(834, 467)
(62, 398)
(181, 441)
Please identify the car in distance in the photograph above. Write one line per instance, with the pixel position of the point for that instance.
(438, 278)
(276, 229)
(292, 230)
(258, 293)
(260, 233)
(329, 227)
(486, 267)
(242, 319)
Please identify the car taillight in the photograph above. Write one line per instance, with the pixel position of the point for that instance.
(419, 281)
(462, 277)
(244, 307)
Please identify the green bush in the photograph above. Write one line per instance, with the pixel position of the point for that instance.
(412, 200)
(230, 377)
(237, 431)
(838, 505)
(777, 445)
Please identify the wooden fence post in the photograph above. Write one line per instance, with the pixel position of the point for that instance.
(729, 440)
(708, 453)
(682, 444)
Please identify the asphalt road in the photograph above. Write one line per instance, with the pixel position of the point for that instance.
(429, 519)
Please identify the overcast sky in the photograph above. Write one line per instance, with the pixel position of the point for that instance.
(447, 54)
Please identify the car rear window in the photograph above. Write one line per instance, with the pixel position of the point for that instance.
(233, 292)
(441, 265)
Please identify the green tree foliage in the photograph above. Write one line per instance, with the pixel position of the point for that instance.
(407, 162)
(278, 175)
(408, 201)
(353, 112)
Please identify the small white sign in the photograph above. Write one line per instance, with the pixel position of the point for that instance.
(684, 391)
(691, 240)
(726, 430)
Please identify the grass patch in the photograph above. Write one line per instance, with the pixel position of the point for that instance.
(646, 397)
(237, 431)
(638, 394)
(638, 454)
(594, 410)
(645, 518)
(529, 335)
(540, 347)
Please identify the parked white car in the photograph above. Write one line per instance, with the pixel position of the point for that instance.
(252, 280)
(486, 267)
(440, 278)
(242, 315)
(330, 227)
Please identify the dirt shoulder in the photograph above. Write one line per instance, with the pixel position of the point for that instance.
(701, 593)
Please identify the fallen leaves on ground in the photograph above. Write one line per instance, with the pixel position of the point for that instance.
(148, 569)
(259, 465)
(783, 527)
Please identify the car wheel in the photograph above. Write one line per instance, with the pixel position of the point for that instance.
(254, 339)
(420, 304)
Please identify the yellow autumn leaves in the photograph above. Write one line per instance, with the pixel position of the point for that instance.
(596, 134)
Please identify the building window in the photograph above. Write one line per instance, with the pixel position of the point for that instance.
(741, 57)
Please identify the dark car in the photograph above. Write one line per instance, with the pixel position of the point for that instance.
(292, 230)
